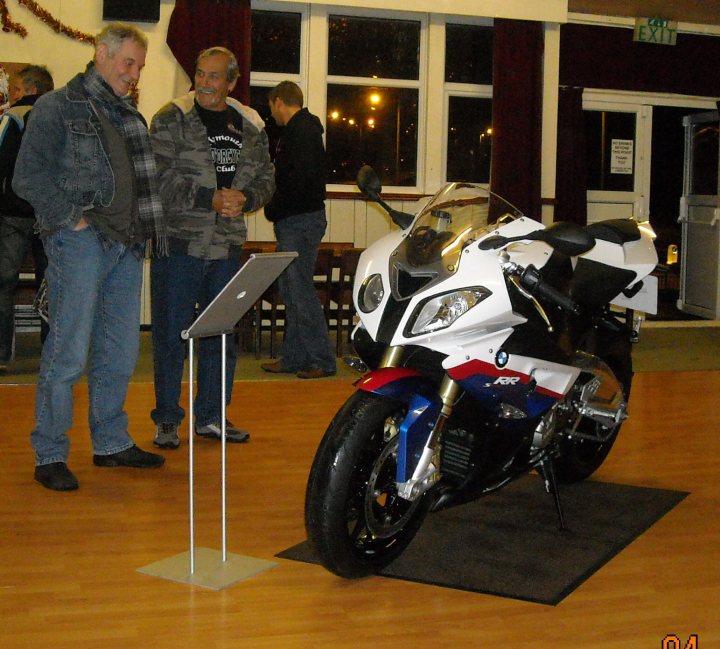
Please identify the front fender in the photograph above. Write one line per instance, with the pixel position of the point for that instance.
(399, 383)
(424, 405)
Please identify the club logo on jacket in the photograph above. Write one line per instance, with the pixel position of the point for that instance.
(225, 151)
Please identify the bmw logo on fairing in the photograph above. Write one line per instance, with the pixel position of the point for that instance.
(502, 358)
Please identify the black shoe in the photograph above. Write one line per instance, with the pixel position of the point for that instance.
(56, 476)
(132, 456)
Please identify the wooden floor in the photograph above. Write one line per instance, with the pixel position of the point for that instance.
(68, 562)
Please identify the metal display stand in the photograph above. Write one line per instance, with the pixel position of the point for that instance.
(217, 569)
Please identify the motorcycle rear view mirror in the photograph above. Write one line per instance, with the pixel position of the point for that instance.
(567, 238)
(369, 184)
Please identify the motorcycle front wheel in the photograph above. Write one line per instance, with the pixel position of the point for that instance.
(355, 520)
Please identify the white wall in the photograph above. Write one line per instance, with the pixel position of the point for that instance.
(161, 79)
(546, 10)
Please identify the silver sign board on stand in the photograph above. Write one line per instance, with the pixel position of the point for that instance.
(217, 569)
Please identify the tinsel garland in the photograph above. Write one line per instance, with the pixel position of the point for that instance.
(9, 26)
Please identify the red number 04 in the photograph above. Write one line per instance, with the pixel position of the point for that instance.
(673, 642)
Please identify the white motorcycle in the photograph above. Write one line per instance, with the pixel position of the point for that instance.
(495, 346)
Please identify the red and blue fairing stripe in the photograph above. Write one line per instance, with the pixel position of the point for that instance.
(492, 385)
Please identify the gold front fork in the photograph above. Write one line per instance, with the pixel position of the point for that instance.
(427, 471)
(392, 356)
(448, 393)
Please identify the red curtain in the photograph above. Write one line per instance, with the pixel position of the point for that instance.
(571, 168)
(517, 113)
(198, 24)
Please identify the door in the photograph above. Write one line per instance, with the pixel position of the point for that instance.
(618, 142)
(699, 217)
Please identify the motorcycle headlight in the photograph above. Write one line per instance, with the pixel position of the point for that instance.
(440, 311)
(371, 293)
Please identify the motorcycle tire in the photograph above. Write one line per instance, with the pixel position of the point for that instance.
(579, 458)
(355, 520)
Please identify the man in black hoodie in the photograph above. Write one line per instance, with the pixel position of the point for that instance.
(16, 215)
(297, 211)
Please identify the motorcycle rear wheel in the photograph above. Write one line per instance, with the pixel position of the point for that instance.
(580, 457)
(355, 520)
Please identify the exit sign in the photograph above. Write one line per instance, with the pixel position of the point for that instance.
(655, 30)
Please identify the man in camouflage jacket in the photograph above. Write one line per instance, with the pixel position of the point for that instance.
(214, 167)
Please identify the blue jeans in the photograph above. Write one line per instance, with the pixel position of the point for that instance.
(178, 283)
(16, 237)
(307, 343)
(94, 307)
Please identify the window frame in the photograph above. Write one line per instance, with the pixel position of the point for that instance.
(313, 80)
(419, 84)
(469, 91)
(271, 79)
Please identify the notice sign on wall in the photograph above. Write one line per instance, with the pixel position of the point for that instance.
(621, 156)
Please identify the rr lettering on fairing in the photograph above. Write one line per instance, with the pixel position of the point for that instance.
(506, 380)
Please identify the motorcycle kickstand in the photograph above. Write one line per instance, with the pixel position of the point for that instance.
(547, 471)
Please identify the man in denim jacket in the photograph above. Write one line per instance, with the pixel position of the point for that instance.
(87, 168)
(214, 167)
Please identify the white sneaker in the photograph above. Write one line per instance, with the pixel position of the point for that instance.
(214, 430)
(166, 436)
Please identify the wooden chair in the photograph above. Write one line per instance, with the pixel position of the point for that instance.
(323, 278)
(271, 315)
(267, 310)
(245, 332)
(344, 311)
(273, 310)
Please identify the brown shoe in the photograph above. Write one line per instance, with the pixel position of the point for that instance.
(276, 368)
(314, 373)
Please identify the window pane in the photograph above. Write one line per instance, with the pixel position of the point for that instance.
(469, 139)
(276, 41)
(374, 47)
(258, 101)
(704, 178)
(610, 148)
(375, 126)
(468, 54)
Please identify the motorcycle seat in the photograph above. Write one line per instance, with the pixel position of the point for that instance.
(618, 231)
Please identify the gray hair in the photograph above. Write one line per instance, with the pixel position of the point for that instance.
(233, 70)
(113, 35)
(37, 77)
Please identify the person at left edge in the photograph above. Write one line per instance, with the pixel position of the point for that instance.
(86, 166)
(16, 215)
(214, 166)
